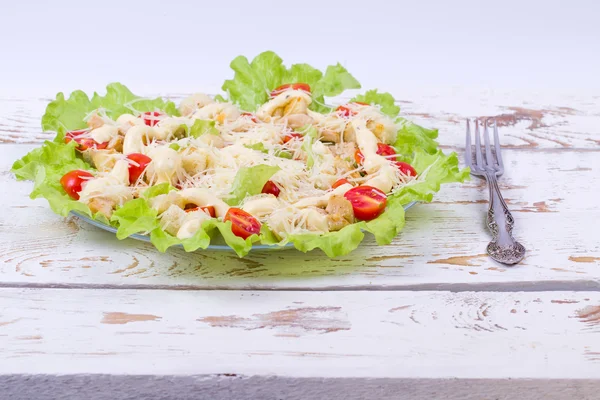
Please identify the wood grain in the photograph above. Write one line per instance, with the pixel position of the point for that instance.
(444, 243)
(233, 386)
(301, 334)
(528, 120)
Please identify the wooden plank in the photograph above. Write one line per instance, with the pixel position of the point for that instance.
(484, 335)
(227, 387)
(552, 199)
(528, 120)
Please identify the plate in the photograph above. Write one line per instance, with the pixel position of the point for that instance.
(217, 244)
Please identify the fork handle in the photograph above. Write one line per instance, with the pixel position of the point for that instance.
(503, 247)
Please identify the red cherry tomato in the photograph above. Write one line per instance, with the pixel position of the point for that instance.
(83, 143)
(367, 202)
(406, 168)
(210, 210)
(295, 86)
(137, 166)
(72, 181)
(359, 158)
(385, 150)
(251, 116)
(243, 224)
(291, 136)
(151, 118)
(271, 188)
(345, 111)
(339, 183)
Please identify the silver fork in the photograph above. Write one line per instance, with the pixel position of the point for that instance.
(503, 247)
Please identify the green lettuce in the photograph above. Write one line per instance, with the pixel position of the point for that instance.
(385, 100)
(414, 137)
(201, 127)
(45, 166)
(253, 81)
(69, 113)
(249, 181)
(135, 216)
(310, 136)
(249, 88)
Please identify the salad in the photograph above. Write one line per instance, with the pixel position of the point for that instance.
(268, 162)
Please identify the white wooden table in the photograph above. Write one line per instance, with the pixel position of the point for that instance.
(83, 315)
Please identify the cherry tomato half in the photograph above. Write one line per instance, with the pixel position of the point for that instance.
(291, 136)
(367, 202)
(243, 224)
(210, 210)
(271, 188)
(294, 86)
(345, 111)
(359, 158)
(385, 150)
(83, 143)
(251, 116)
(151, 118)
(138, 166)
(339, 183)
(72, 181)
(406, 168)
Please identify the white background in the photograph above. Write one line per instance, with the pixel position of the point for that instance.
(186, 46)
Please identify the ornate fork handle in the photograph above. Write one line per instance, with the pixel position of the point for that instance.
(503, 247)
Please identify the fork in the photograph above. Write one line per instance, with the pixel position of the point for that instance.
(503, 247)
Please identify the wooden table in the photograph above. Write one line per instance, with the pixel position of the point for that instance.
(94, 317)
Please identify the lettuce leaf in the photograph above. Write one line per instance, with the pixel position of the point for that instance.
(414, 137)
(384, 100)
(310, 137)
(201, 239)
(135, 216)
(384, 228)
(249, 181)
(45, 166)
(253, 81)
(201, 127)
(434, 170)
(69, 113)
(249, 88)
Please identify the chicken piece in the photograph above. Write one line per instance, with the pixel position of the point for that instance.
(116, 144)
(296, 121)
(327, 135)
(195, 160)
(339, 212)
(384, 128)
(190, 104)
(288, 103)
(344, 150)
(172, 219)
(163, 201)
(105, 133)
(102, 205)
(103, 160)
(95, 121)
